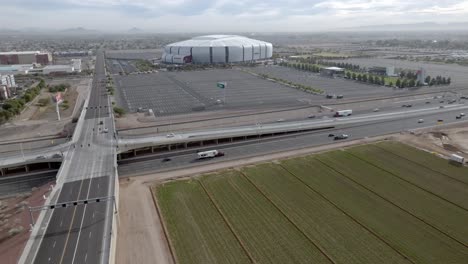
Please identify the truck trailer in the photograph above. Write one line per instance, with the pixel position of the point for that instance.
(457, 158)
(209, 154)
(342, 113)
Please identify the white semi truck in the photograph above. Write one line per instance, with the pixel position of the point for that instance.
(341, 113)
(209, 154)
(457, 158)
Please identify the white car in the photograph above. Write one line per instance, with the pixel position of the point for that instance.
(105, 130)
(421, 120)
(376, 110)
(171, 135)
(462, 114)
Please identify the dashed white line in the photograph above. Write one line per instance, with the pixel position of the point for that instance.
(53, 246)
(86, 257)
(61, 222)
(90, 232)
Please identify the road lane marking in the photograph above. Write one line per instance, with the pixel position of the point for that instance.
(54, 244)
(71, 224)
(90, 231)
(86, 257)
(82, 221)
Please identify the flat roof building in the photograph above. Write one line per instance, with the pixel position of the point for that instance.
(25, 57)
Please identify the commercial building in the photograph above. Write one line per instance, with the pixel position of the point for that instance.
(217, 49)
(8, 80)
(76, 63)
(25, 57)
(4, 92)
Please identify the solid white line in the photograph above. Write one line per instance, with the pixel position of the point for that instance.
(81, 224)
(86, 257)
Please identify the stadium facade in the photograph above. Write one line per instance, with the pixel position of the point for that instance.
(217, 49)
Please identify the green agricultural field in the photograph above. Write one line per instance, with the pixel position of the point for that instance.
(378, 203)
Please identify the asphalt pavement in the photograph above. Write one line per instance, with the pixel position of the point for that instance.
(82, 233)
(289, 142)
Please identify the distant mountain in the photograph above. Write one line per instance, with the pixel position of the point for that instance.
(424, 26)
(135, 30)
(78, 30)
(9, 31)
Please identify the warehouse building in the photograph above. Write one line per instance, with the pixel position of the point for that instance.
(217, 49)
(25, 57)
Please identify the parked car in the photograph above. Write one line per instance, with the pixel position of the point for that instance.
(340, 96)
(462, 114)
(40, 157)
(331, 135)
(57, 156)
(375, 110)
(312, 116)
(105, 130)
(458, 117)
(166, 159)
(171, 135)
(280, 120)
(421, 120)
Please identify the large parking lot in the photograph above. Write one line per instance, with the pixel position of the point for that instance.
(337, 86)
(121, 66)
(181, 92)
(457, 73)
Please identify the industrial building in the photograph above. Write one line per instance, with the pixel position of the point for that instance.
(25, 57)
(217, 49)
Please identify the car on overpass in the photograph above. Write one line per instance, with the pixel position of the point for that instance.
(342, 136)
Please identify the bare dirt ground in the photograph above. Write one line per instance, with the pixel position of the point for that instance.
(37, 121)
(15, 223)
(141, 238)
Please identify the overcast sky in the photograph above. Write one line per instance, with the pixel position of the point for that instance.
(225, 15)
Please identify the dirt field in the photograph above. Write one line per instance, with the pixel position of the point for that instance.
(36, 121)
(140, 224)
(14, 217)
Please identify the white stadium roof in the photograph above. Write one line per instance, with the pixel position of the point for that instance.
(217, 49)
(218, 41)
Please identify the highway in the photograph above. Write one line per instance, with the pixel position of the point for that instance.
(81, 234)
(256, 147)
(141, 141)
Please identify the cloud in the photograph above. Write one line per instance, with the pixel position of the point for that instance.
(226, 15)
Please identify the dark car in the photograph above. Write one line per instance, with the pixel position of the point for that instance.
(342, 136)
(339, 96)
(458, 117)
(166, 159)
(331, 135)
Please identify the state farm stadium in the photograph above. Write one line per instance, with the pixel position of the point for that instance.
(217, 49)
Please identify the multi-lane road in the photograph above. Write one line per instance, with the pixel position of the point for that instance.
(356, 130)
(81, 233)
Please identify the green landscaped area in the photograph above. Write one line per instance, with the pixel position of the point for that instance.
(379, 203)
